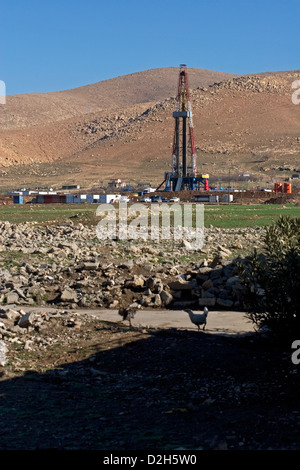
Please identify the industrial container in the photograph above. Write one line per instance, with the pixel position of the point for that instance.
(18, 199)
(71, 186)
(40, 199)
(287, 188)
(69, 198)
(54, 198)
(207, 198)
(278, 187)
(107, 198)
(89, 198)
(199, 198)
(227, 198)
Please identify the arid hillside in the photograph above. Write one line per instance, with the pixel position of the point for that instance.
(123, 128)
(35, 109)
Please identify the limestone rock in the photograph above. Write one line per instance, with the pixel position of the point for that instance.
(166, 297)
(90, 266)
(181, 284)
(136, 281)
(68, 295)
(12, 298)
(9, 314)
(26, 320)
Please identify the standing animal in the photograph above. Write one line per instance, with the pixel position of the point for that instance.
(127, 313)
(198, 318)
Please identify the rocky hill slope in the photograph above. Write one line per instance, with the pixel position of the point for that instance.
(35, 109)
(123, 128)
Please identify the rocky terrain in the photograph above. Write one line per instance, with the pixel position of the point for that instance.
(71, 381)
(67, 265)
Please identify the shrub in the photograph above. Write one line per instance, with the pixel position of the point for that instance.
(272, 280)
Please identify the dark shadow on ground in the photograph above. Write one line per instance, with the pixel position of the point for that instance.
(176, 389)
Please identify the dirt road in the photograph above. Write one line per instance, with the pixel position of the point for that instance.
(222, 322)
(218, 322)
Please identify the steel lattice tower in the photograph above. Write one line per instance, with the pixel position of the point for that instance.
(184, 153)
(184, 169)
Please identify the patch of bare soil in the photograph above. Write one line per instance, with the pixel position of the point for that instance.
(106, 386)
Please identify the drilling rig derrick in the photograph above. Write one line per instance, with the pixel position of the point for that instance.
(183, 142)
(184, 168)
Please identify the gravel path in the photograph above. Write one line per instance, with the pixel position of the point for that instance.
(218, 322)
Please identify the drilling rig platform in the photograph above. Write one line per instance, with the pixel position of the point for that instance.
(184, 168)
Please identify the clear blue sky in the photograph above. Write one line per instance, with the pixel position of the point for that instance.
(50, 45)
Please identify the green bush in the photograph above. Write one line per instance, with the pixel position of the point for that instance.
(271, 280)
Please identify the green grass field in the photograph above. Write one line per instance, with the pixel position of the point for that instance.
(226, 216)
(230, 216)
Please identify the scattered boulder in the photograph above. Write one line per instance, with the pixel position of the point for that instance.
(157, 300)
(181, 284)
(9, 314)
(166, 297)
(68, 295)
(136, 281)
(12, 298)
(26, 320)
(207, 284)
(90, 266)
